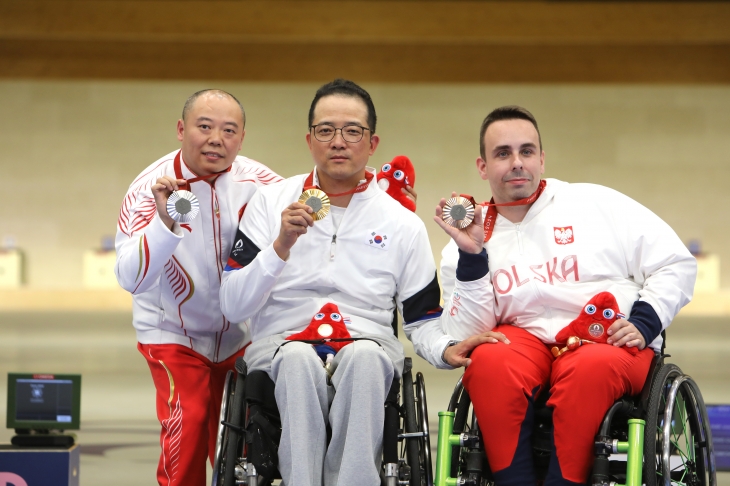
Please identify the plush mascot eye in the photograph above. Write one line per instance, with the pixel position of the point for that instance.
(399, 175)
(608, 314)
(385, 168)
(590, 309)
(319, 316)
(336, 317)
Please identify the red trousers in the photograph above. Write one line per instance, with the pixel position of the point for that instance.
(189, 391)
(504, 379)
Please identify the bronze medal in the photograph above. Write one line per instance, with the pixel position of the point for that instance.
(318, 201)
(458, 212)
(183, 206)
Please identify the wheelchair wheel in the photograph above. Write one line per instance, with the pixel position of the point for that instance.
(425, 442)
(415, 418)
(677, 441)
(234, 440)
(466, 462)
(222, 431)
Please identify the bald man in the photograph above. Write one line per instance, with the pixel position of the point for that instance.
(174, 272)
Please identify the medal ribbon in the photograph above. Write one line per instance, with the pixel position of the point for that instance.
(187, 182)
(309, 184)
(491, 216)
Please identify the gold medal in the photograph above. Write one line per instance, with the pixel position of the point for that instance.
(458, 212)
(318, 201)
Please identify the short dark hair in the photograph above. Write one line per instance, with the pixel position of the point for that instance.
(190, 101)
(512, 112)
(345, 87)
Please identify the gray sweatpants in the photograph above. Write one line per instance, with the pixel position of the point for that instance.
(353, 406)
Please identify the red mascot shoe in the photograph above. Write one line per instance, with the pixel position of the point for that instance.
(591, 326)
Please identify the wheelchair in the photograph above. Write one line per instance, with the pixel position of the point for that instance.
(250, 427)
(661, 437)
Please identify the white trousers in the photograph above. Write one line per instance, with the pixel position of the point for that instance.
(353, 406)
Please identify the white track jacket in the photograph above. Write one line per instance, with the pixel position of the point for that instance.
(576, 240)
(175, 276)
(379, 253)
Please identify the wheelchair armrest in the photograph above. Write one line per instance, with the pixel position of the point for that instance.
(259, 390)
(241, 367)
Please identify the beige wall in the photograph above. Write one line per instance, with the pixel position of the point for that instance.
(69, 149)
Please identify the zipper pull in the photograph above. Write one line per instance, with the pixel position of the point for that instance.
(332, 247)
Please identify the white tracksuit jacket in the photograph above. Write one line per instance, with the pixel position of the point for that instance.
(174, 276)
(379, 252)
(576, 240)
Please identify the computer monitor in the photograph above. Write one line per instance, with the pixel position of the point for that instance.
(43, 401)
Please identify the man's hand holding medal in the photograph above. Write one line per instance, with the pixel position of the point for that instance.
(172, 203)
(295, 220)
(462, 220)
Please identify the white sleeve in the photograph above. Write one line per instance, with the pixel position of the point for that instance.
(469, 304)
(418, 300)
(253, 267)
(657, 259)
(143, 243)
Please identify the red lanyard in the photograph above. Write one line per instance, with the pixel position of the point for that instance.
(491, 217)
(309, 184)
(178, 163)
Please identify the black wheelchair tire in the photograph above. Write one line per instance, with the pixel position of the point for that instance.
(425, 442)
(461, 416)
(222, 431)
(688, 400)
(409, 404)
(654, 413)
(234, 446)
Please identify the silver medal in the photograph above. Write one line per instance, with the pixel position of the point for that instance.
(183, 206)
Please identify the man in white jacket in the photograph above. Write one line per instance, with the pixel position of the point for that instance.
(368, 251)
(174, 270)
(525, 269)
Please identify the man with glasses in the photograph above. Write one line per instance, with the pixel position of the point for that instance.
(290, 259)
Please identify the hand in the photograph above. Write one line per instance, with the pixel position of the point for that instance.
(295, 220)
(624, 333)
(469, 239)
(458, 354)
(161, 190)
(410, 193)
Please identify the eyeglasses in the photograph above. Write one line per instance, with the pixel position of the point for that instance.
(350, 133)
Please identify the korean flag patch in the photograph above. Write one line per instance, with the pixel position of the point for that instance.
(378, 240)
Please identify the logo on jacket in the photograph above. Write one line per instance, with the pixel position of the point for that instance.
(378, 240)
(564, 235)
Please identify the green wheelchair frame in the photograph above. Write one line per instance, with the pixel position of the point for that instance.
(668, 418)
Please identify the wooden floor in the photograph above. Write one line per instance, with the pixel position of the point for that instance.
(119, 432)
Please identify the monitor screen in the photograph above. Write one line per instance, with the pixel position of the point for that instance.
(43, 401)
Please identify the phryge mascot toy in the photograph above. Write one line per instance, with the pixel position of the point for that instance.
(591, 326)
(396, 175)
(326, 331)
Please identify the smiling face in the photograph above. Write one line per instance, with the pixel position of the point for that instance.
(211, 133)
(340, 163)
(514, 161)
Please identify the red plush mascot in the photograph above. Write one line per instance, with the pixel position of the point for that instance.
(395, 176)
(592, 325)
(326, 331)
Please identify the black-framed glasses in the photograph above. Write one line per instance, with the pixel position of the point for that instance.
(350, 133)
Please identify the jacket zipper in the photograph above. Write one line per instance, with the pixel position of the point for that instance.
(332, 247)
(519, 240)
